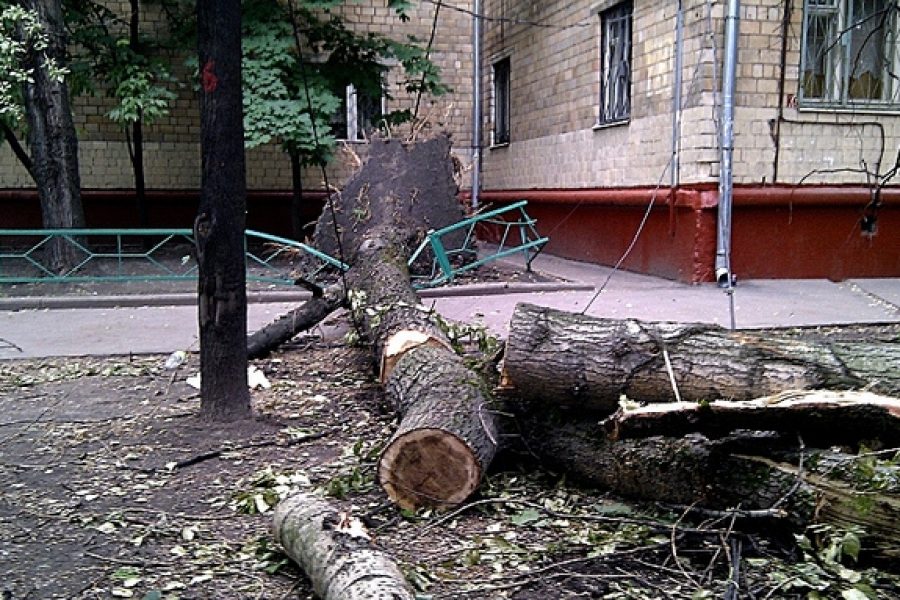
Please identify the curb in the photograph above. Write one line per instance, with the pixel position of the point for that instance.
(15, 303)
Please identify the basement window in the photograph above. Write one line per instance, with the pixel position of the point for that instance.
(501, 102)
(849, 54)
(615, 56)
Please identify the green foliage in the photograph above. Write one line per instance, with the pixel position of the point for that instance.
(134, 71)
(140, 97)
(21, 33)
(293, 84)
(275, 104)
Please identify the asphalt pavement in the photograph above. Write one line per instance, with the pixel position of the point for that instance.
(50, 325)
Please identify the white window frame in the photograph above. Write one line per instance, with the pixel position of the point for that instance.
(616, 63)
(837, 61)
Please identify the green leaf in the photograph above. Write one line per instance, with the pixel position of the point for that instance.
(524, 517)
(850, 545)
(153, 595)
(853, 594)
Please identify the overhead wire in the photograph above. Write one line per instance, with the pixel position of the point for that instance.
(329, 194)
(434, 23)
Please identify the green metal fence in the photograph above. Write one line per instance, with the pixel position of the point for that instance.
(167, 254)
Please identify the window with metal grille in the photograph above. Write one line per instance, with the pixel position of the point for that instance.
(357, 116)
(615, 56)
(501, 101)
(849, 54)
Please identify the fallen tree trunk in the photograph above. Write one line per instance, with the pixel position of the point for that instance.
(589, 363)
(446, 437)
(748, 473)
(284, 328)
(335, 553)
(822, 418)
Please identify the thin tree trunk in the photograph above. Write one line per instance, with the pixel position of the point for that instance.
(51, 135)
(137, 130)
(304, 317)
(590, 363)
(297, 223)
(220, 223)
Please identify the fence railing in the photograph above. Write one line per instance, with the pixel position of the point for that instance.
(168, 254)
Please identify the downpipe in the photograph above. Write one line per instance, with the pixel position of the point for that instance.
(726, 170)
(476, 102)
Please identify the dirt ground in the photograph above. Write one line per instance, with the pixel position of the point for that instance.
(111, 487)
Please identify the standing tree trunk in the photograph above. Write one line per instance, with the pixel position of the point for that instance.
(296, 195)
(219, 227)
(51, 135)
(137, 129)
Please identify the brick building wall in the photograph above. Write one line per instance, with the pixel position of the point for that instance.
(172, 151)
(554, 53)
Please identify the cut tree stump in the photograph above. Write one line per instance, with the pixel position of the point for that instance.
(336, 554)
(586, 362)
(447, 437)
(821, 417)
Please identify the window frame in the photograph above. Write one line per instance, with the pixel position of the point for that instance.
(501, 75)
(353, 131)
(615, 104)
(837, 61)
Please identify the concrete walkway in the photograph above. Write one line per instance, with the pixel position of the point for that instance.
(98, 325)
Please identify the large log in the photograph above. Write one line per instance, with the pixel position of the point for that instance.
(821, 417)
(589, 363)
(446, 438)
(335, 553)
(757, 474)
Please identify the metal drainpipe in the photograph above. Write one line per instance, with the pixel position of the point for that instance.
(726, 173)
(476, 102)
(676, 97)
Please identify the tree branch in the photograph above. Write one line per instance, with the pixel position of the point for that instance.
(18, 150)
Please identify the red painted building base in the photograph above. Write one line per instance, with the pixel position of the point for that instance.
(777, 231)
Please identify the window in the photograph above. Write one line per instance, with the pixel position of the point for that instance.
(849, 54)
(615, 56)
(501, 102)
(358, 115)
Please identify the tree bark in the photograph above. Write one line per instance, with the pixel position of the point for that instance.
(137, 129)
(341, 562)
(51, 135)
(304, 317)
(749, 473)
(589, 363)
(220, 223)
(447, 437)
(822, 418)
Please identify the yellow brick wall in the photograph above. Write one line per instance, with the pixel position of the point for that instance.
(172, 153)
(553, 49)
(554, 55)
